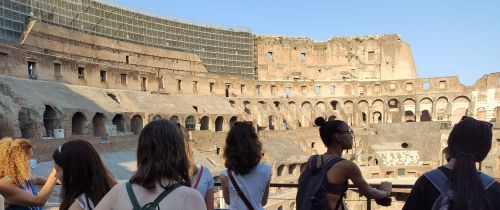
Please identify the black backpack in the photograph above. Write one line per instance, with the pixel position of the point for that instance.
(152, 205)
(311, 193)
(443, 185)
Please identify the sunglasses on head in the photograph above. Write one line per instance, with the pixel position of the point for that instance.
(465, 118)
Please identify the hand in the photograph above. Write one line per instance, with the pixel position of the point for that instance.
(386, 186)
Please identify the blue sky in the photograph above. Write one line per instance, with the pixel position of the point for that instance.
(447, 37)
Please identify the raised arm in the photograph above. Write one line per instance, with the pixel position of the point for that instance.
(357, 178)
(14, 195)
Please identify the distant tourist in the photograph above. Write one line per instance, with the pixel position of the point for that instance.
(458, 185)
(17, 186)
(201, 178)
(85, 179)
(162, 176)
(245, 183)
(337, 136)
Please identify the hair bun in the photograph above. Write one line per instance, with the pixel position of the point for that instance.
(320, 121)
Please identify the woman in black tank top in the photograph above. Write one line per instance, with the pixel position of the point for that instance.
(338, 136)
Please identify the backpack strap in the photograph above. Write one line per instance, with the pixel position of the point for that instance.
(167, 191)
(238, 190)
(439, 180)
(160, 197)
(198, 178)
(486, 180)
(313, 162)
(330, 162)
(131, 195)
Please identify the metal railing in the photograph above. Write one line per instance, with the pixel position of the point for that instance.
(351, 187)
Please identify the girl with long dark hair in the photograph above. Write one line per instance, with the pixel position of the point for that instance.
(85, 179)
(243, 152)
(162, 169)
(469, 142)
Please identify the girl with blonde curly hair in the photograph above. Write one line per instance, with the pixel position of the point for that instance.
(16, 184)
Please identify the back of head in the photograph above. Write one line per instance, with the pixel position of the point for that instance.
(161, 155)
(243, 150)
(83, 172)
(14, 159)
(327, 129)
(469, 142)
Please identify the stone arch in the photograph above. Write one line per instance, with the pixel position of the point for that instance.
(233, 120)
(232, 103)
(277, 104)
(425, 108)
(372, 161)
(174, 118)
(272, 122)
(377, 117)
(79, 124)
(99, 124)
(321, 107)
(247, 106)
(306, 113)
(280, 170)
(459, 108)
(394, 114)
(136, 124)
(334, 104)
(6, 128)
(481, 113)
(51, 120)
(27, 123)
(293, 106)
(378, 109)
(190, 123)
(349, 110)
(292, 169)
(219, 123)
(119, 122)
(156, 117)
(495, 114)
(441, 108)
(204, 123)
(409, 106)
(363, 111)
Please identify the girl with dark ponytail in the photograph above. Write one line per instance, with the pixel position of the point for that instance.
(337, 136)
(469, 142)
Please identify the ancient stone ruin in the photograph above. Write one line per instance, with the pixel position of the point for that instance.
(83, 69)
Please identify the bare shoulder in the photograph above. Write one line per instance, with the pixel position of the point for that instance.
(192, 194)
(347, 165)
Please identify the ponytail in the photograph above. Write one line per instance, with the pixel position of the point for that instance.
(469, 142)
(467, 186)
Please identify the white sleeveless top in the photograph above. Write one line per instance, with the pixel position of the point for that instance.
(252, 185)
(84, 202)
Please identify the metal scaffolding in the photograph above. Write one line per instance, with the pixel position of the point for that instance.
(221, 50)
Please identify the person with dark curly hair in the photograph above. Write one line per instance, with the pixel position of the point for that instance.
(245, 183)
(85, 179)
